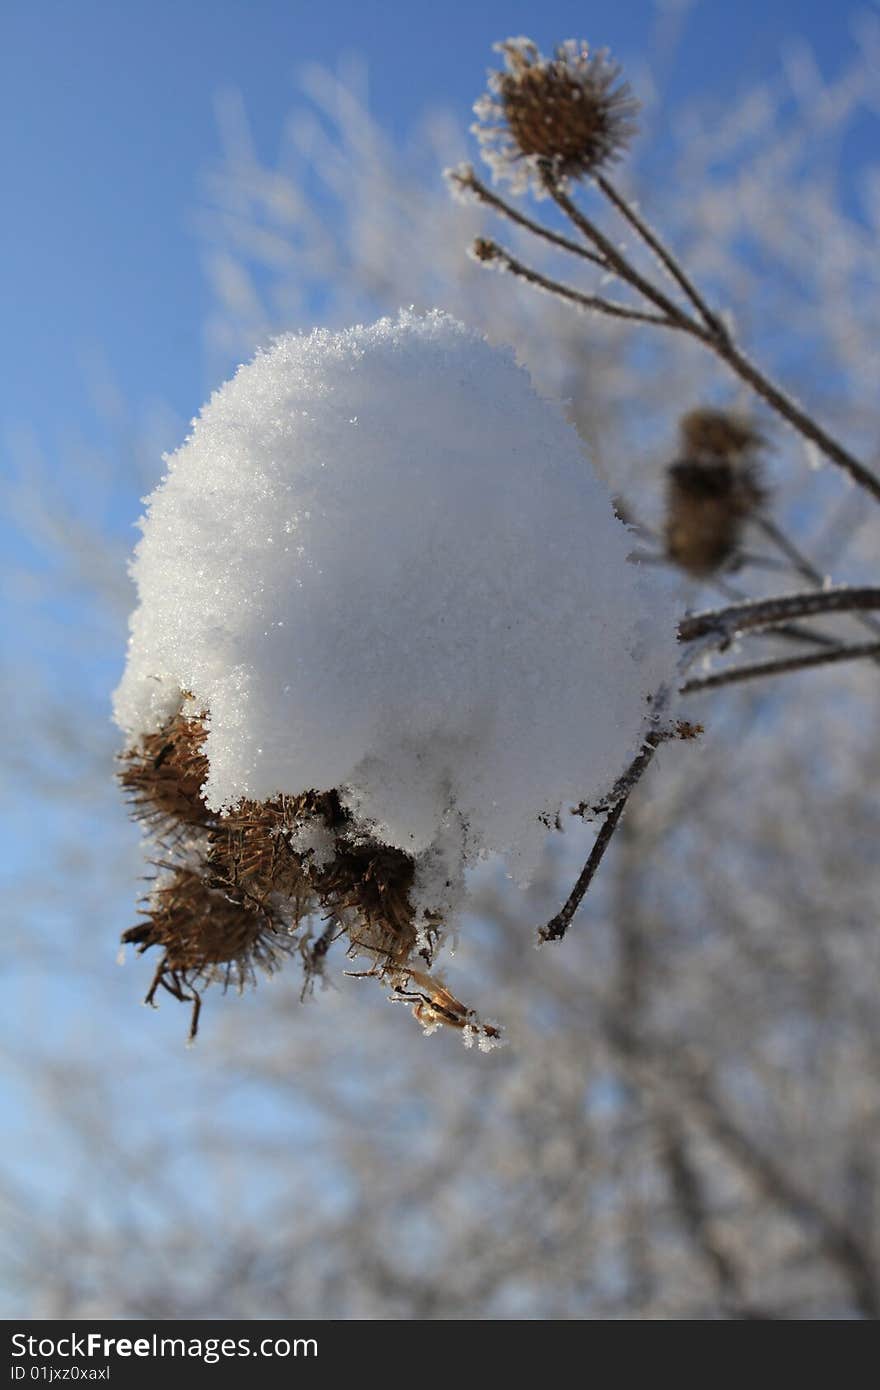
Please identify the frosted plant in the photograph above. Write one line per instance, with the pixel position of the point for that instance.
(688, 1123)
(570, 113)
(388, 627)
(714, 488)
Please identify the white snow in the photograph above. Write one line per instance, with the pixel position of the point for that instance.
(382, 562)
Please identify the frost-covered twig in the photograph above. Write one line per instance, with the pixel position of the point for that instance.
(790, 411)
(741, 617)
(783, 666)
(555, 929)
(669, 262)
(465, 180)
(799, 561)
(490, 253)
(723, 624)
(616, 262)
(551, 122)
(712, 332)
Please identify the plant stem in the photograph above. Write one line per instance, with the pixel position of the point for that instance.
(740, 617)
(468, 181)
(490, 252)
(781, 667)
(555, 929)
(664, 256)
(790, 411)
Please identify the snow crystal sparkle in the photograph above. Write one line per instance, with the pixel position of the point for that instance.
(381, 565)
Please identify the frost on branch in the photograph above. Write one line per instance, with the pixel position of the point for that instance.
(387, 627)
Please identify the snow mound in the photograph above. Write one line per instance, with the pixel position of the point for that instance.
(382, 564)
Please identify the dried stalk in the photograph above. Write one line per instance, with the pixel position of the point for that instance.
(803, 566)
(490, 253)
(674, 269)
(783, 666)
(467, 181)
(707, 326)
(725, 623)
(722, 624)
(555, 929)
(711, 331)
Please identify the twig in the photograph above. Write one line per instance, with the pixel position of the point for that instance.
(710, 330)
(618, 262)
(781, 667)
(664, 256)
(801, 564)
(468, 180)
(717, 337)
(790, 411)
(555, 929)
(792, 633)
(795, 557)
(491, 253)
(740, 617)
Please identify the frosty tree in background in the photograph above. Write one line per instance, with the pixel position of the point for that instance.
(387, 627)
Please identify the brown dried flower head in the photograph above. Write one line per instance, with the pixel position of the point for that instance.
(163, 778)
(204, 936)
(238, 891)
(713, 487)
(567, 116)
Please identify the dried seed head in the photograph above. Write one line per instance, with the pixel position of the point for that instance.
(712, 490)
(718, 433)
(205, 934)
(237, 885)
(569, 115)
(485, 250)
(252, 851)
(369, 886)
(163, 777)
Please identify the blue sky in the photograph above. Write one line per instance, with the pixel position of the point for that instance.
(109, 121)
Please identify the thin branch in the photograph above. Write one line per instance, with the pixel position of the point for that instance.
(618, 263)
(715, 336)
(795, 557)
(741, 617)
(670, 264)
(792, 633)
(555, 929)
(489, 252)
(781, 667)
(798, 418)
(471, 184)
(802, 564)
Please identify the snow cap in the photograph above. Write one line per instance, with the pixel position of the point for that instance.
(381, 563)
